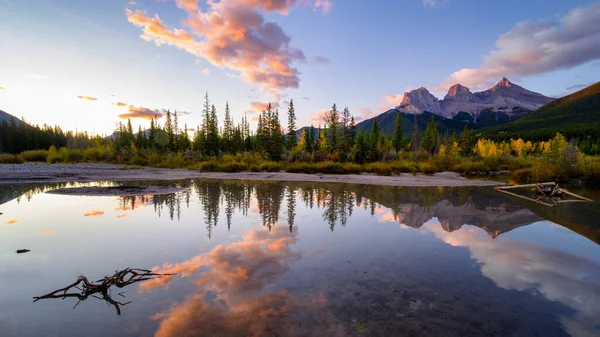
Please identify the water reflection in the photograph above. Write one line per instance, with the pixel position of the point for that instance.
(514, 264)
(230, 297)
(413, 206)
(400, 261)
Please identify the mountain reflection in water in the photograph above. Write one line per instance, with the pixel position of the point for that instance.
(463, 261)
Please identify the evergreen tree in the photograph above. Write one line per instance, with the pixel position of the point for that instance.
(292, 139)
(466, 142)
(430, 138)
(398, 140)
(415, 142)
(374, 140)
(332, 120)
(228, 131)
(169, 131)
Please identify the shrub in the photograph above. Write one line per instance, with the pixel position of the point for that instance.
(270, 167)
(469, 166)
(6, 158)
(382, 169)
(34, 155)
(72, 155)
(522, 176)
(427, 168)
(233, 167)
(137, 160)
(209, 166)
(299, 168)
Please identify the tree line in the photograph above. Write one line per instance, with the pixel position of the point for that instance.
(337, 139)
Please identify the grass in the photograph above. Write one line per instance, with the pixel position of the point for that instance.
(6, 158)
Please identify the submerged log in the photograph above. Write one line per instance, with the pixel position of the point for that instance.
(84, 288)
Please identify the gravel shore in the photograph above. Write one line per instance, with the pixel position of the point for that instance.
(55, 173)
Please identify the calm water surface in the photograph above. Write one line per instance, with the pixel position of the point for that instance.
(289, 259)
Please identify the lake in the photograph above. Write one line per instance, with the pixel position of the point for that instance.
(300, 259)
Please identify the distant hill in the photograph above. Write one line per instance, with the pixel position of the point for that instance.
(6, 116)
(387, 121)
(576, 115)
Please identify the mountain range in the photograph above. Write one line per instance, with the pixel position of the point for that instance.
(503, 103)
(575, 116)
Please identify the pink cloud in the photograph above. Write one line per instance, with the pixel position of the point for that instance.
(319, 117)
(139, 112)
(234, 34)
(536, 47)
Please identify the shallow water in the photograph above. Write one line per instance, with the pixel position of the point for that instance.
(269, 258)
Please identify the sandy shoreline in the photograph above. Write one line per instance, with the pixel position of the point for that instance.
(58, 173)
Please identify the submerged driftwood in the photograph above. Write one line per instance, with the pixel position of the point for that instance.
(84, 288)
(548, 194)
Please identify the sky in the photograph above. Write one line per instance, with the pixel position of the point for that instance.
(87, 64)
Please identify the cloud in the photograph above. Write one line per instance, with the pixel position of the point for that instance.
(190, 129)
(205, 71)
(94, 213)
(10, 222)
(433, 3)
(324, 6)
(122, 215)
(36, 77)
(88, 98)
(305, 98)
(319, 117)
(365, 113)
(321, 60)
(390, 101)
(2, 88)
(233, 34)
(140, 112)
(233, 296)
(120, 104)
(260, 106)
(577, 87)
(537, 47)
(47, 232)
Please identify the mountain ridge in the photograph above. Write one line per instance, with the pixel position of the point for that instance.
(504, 97)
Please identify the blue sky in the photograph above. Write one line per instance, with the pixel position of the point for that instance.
(355, 53)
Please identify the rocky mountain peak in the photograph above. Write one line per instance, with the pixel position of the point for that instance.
(418, 101)
(504, 83)
(457, 90)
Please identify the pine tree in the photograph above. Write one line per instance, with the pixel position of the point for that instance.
(308, 139)
(430, 138)
(332, 119)
(398, 140)
(169, 131)
(466, 142)
(292, 139)
(374, 140)
(277, 139)
(415, 142)
(228, 130)
(212, 136)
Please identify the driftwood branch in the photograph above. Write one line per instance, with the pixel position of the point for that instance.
(548, 194)
(83, 288)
